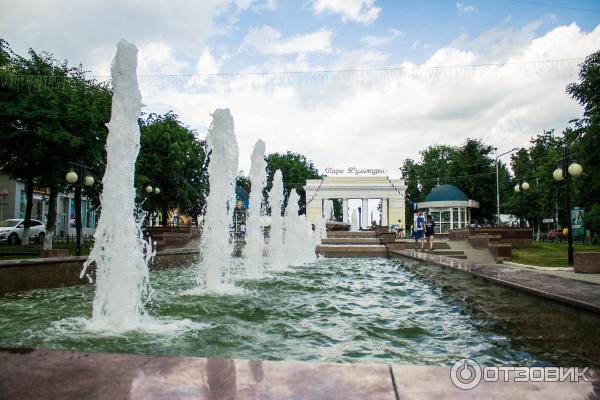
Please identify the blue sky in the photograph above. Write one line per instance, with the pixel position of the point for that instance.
(415, 29)
(375, 124)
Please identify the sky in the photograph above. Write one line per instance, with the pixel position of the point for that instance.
(417, 73)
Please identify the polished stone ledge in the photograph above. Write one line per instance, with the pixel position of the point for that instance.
(580, 294)
(56, 374)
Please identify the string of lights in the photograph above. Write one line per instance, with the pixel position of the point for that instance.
(339, 77)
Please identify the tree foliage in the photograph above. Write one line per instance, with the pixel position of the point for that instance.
(174, 160)
(50, 116)
(470, 166)
(296, 169)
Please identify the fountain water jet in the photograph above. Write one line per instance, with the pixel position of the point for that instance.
(298, 240)
(255, 240)
(276, 256)
(216, 248)
(354, 224)
(120, 253)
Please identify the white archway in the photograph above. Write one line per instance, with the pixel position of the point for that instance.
(390, 191)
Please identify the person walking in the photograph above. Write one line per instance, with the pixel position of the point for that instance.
(430, 231)
(419, 227)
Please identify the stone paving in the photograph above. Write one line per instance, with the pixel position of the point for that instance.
(581, 294)
(55, 374)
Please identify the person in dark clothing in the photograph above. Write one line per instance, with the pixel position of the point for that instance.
(430, 231)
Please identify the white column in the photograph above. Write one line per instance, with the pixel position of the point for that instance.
(384, 212)
(345, 210)
(364, 214)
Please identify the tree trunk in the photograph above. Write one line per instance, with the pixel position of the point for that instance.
(165, 215)
(28, 208)
(48, 239)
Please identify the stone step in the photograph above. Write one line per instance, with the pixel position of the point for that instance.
(436, 245)
(351, 240)
(352, 251)
(346, 234)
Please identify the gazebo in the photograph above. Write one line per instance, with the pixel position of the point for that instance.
(449, 207)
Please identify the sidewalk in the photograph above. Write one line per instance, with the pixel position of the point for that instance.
(562, 272)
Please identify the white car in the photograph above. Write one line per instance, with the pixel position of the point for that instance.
(11, 230)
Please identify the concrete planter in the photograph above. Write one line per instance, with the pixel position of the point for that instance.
(381, 229)
(396, 246)
(387, 237)
(586, 262)
(54, 253)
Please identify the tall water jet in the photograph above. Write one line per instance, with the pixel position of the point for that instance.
(255, 241)
(328, 211)
(120, 253)
(292, 234)
(216, 248)
(276, 255)
(354, 221)
(298, 239)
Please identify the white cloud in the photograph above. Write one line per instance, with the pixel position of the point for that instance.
(361, 59)
(207, 63)
(464, 8)
(376, 41)
(84, 30)
(346, 122)
(157, 58)
(362, 11)
(269, 40)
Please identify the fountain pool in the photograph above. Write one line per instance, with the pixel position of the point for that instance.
(331, 310)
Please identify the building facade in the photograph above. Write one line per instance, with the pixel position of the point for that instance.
(13, 202)
(449, 207)
(390, 191)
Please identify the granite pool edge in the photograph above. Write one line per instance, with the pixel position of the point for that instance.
(578, 294)
(43, 273)
(33, 374)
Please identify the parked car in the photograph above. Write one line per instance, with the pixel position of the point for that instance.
(11, 230)
(555, 234)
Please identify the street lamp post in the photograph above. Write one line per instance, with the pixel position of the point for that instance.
(560, 174)
(498, 184)
(73, 178)
(521, 187)
(152, 192)
(3, 195)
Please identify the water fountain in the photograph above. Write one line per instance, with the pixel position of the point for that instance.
(276, 255)
(328, 211)
(216, 248)
(253, 255)
(120, 253)
(354, 221)
(298, 239)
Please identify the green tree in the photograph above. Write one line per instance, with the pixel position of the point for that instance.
(470, 167)
(51, 114)
(586, 132)
(473, 170)
(296, 169)
(592, 221)
(174, 160)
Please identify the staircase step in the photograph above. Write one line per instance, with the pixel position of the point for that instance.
(355, 234)
(351, 240)
(352, 251)
(436, 246)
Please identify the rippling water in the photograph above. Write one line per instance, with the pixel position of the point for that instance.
(330, 310)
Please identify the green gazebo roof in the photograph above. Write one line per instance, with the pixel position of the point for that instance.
(446, 192)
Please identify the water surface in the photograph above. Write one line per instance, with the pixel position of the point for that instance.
(330, 310)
